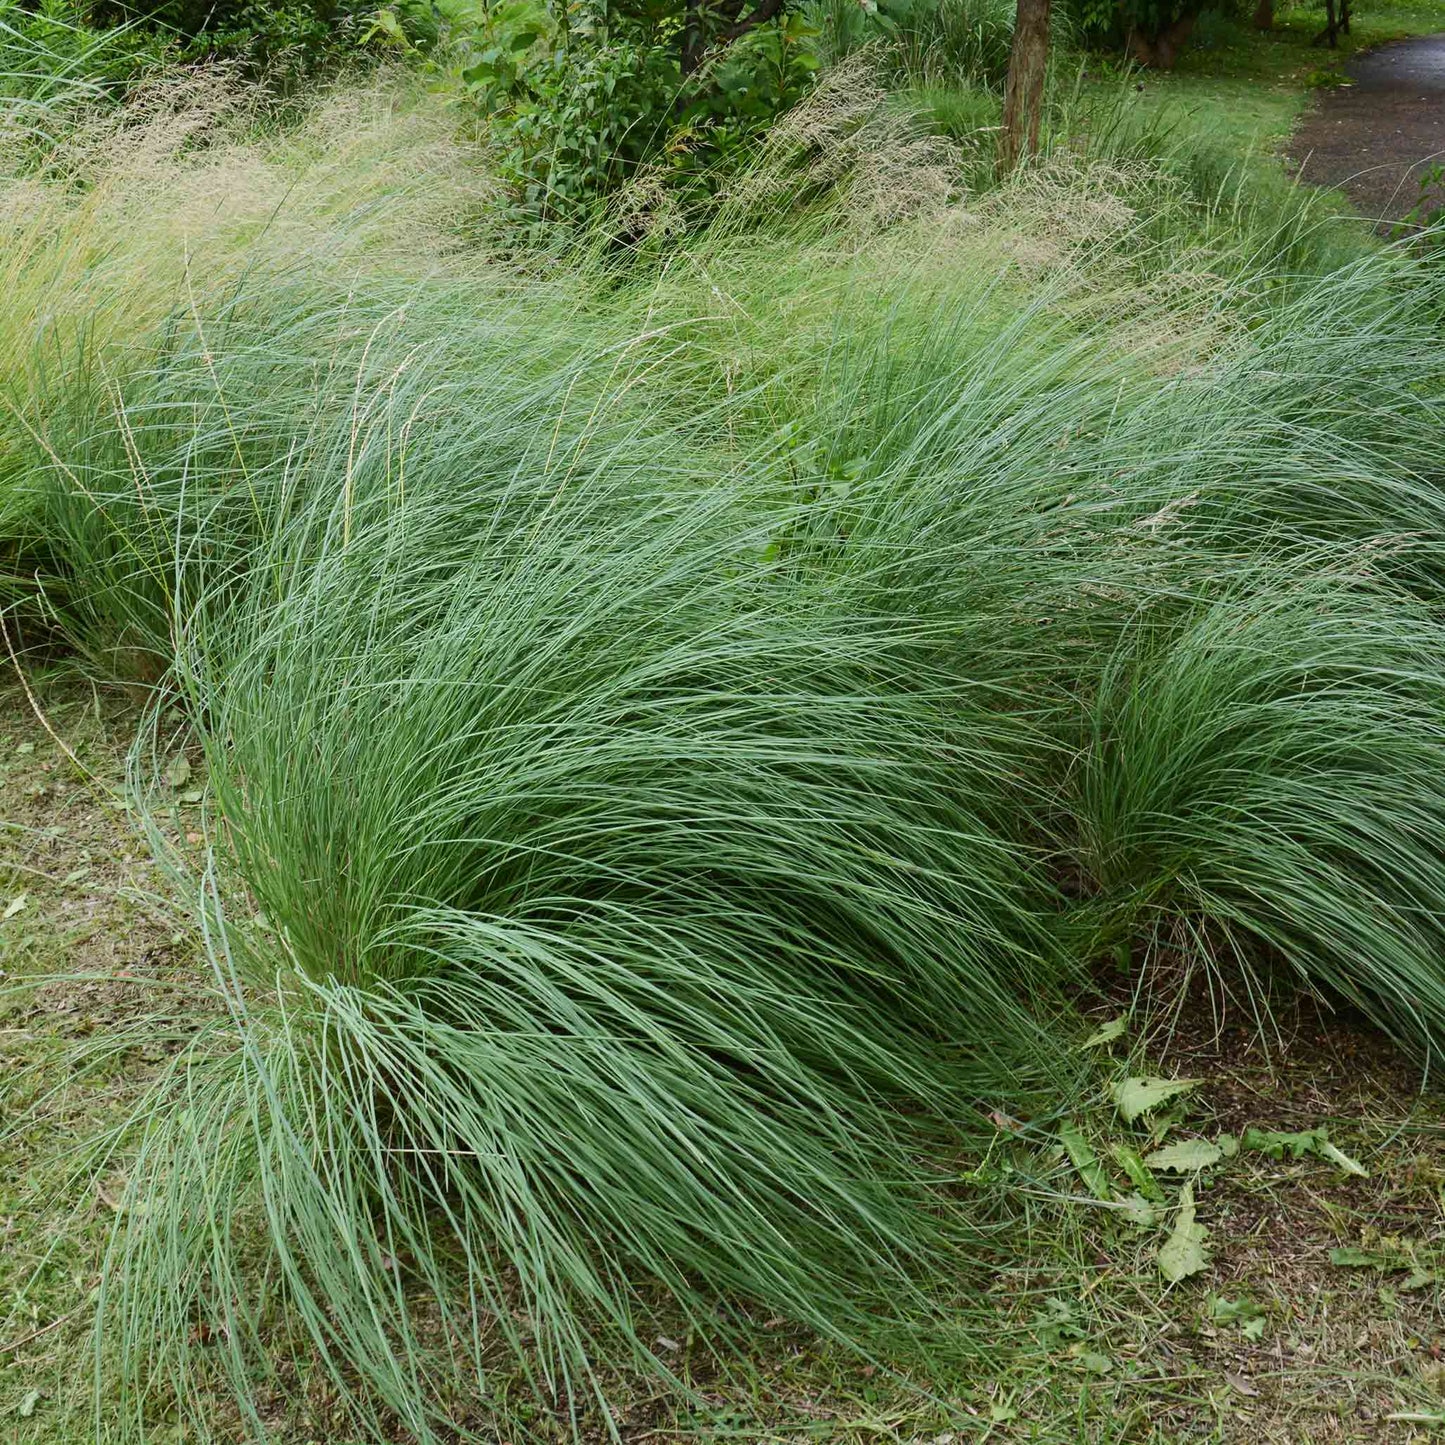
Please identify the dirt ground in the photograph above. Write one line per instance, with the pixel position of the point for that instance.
(1381, 138)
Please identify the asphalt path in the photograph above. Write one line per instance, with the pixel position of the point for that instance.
(1380, 138)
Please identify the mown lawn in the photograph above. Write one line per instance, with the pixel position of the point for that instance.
(1246, 89)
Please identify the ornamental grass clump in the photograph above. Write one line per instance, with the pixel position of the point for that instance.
(606, 910)
(1259, 792)
(675, 745)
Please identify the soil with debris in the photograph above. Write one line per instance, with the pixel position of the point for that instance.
(1320, 1317)
(1381, 138)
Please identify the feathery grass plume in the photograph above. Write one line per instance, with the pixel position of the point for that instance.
(171, 199)
(146, 460)
(162, 214)
(142, 475)
(1312, 428)
(851, 146)
(162, 206)
(1262, 786)
(1230, 203)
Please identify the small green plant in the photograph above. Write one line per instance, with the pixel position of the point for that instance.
(1429, 208)
(579, 99)
(571, 115)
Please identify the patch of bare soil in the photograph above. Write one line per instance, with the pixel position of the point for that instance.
(1380, 137)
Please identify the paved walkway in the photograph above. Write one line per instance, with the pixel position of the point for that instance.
(1378, 138)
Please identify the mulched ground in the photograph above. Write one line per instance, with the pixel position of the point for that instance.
(1380, 137)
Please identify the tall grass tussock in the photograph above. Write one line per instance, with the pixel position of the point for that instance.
(680, 730)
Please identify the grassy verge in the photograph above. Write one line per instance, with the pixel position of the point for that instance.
(1317, 1318)
(1220, 122)
(1242, 92)
(646, 764)
(83, 953)
(1246, 88)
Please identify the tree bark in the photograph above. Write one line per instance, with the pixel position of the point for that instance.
(692, 36)
(1160, 51)
(1264, 15)
(701, 41)
(1330, 35)
(1023, 96)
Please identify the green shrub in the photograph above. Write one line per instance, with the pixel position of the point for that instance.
(285, 41)
(1152, 31)
(570, 117)
(576, 109)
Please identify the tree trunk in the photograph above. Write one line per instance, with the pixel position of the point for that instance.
(692, 36)
(1264, 15)
(1166, 47)
(1023, 96)
(1160, 51)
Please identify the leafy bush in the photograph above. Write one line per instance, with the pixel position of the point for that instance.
(285, 41)
(577, 106)
(571, 116)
